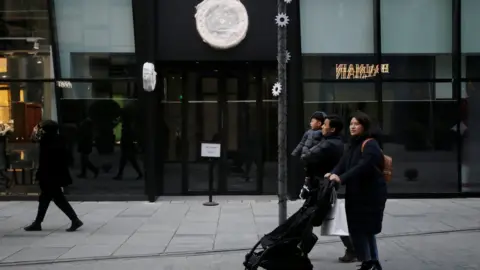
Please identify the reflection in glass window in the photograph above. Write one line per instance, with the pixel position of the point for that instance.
(470, 102)
(339, 98)
(336, 26)
(416, 27)
(326, 67)
(470, 21)
(22, 106)
(470, 135)
(92, 26)
(25, 50)
(103, 129)
(420, 136)
(102, 65)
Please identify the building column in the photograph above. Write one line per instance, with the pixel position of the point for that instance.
(295, 125)
(144, 18)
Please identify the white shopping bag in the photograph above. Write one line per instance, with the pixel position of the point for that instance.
(336, 222)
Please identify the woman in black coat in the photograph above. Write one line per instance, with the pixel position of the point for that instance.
(52, 174)
(366, 191)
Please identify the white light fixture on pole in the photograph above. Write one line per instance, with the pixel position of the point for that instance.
(149, 76)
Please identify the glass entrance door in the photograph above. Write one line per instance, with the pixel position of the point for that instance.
(204, 125)
(225, 111)
(225, 104)
(243, 162)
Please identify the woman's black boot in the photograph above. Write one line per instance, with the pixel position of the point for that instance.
(376, 265)
(367, 266)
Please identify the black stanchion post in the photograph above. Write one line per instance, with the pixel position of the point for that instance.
(212, 152)
(211, 166)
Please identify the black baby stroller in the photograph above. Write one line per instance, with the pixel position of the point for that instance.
(287, 247)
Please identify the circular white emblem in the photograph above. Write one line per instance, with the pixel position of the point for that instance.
(222, 24)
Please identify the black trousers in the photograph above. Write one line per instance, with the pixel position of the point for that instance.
(56, 195)
(128, 155)
(347, 242)
(87, 164)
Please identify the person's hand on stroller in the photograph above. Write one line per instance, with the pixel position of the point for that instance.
(304, 192)
(305, 189)
(334, 177)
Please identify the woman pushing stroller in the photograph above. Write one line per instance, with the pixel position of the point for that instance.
(360, 170)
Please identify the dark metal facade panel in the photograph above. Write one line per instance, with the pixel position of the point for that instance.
(457, 78)
(180, 41)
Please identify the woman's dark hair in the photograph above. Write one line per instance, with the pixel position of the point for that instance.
(363, 119)
(369, 130)
(336, 123)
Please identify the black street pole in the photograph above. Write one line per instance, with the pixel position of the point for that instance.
(282, 114)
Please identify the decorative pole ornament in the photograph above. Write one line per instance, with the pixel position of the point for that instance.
(149, 76)
(277, 89)
(222, 24)
(282, 19)
(288, 57)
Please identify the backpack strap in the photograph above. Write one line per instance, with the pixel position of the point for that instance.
(365, 142)
(363, 146)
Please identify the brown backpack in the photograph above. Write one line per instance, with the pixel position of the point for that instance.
(387, 163)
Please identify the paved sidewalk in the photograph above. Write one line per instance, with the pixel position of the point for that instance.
(428, 252)
(175, 226)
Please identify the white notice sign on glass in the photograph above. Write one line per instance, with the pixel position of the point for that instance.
(211, 150)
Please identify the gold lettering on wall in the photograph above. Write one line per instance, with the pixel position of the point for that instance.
(360, 71)
(3, 65)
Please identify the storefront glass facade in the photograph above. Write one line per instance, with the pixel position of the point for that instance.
(99, 112)
(412, 65)
(77, 59)
(414, 89)
(469, 102)
(26, 63)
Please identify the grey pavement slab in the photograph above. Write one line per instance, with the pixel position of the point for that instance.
(188, 243)
(183, 224)
(190, 228)
(426, 252)
(89, 251)
(36, 254)
(235, 240)
(105, 239)
(138, 250)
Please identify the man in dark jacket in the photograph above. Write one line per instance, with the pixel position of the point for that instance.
(328, 153)
(323, 156)
(52, 174)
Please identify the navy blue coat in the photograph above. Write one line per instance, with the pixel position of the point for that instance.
(366, 190)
